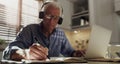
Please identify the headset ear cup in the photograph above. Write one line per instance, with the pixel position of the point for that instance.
(60, 21)
(41, 15)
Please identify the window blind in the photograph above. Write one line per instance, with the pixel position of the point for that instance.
(7, 31)
(29, 12)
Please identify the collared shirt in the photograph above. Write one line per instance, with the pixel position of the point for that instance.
(57, 43)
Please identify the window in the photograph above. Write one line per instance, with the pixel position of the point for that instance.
(29, 12)
(8, 20)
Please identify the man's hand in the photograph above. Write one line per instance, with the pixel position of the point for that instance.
(18, 55)
(79, 53)
(38, 52)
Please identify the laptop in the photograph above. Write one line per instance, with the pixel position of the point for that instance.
(98, 44)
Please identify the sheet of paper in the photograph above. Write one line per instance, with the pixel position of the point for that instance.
(51, 60)
(58, 60)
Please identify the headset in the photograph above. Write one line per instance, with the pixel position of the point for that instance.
(41, 14)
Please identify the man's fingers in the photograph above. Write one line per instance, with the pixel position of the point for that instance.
(79, 53)
(37, 55)
(38, 52)
(40, 49)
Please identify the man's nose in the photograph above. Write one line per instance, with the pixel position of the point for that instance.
(51, 20)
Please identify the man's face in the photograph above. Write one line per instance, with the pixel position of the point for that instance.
(51, 18)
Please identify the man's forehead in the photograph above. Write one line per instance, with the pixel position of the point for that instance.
(52, 11)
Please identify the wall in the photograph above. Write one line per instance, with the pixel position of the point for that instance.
(78, 40)
(67, 13)
(117, 21)
(117, 16)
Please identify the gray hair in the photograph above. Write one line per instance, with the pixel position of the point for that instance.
(55, 5)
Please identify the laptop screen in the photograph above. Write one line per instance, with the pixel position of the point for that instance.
(98, 43)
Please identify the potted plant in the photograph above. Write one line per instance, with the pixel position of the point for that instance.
(2, 41)
(2, 44)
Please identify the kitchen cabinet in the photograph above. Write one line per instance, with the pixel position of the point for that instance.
(99, 12)
(75, 14)
(80, 17)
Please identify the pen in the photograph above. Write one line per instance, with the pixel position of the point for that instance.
(83, 54)
(38, 43)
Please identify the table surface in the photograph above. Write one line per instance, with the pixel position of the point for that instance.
(89, 62)
(59, 60)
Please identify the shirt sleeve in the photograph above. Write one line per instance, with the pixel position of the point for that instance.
(22, 41)
(66, 48)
